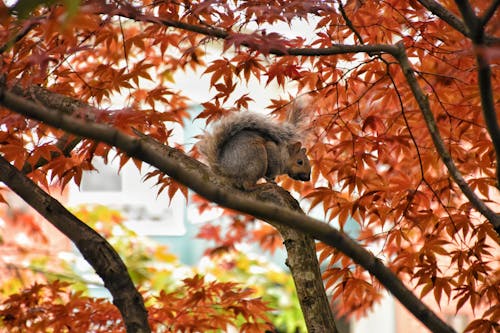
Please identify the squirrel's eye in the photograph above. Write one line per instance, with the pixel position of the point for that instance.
(300, 162)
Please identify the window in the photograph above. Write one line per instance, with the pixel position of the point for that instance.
(144, 211)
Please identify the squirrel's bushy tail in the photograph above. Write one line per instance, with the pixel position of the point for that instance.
(298, 113)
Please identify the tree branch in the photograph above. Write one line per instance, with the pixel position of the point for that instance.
(95, 249)
(47, 98)
(302, 261)
(423, 103)
(200, 179)
(488, 13)
(28, 26)
(476, 28)
(349, 22)
(444, 14)
(136, 15)
(454, 21)
(343, 49)
(66, 143)
(488, 106)
(470, 19)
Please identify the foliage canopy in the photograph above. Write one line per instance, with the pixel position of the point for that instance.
(404, 139)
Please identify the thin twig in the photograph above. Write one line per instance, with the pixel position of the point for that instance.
(349, 22)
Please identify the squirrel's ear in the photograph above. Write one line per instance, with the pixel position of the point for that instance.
(294, 148)
(303, 150)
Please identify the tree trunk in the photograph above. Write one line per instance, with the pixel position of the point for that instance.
(303, 264)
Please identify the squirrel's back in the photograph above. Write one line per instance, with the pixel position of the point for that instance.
(212, 143)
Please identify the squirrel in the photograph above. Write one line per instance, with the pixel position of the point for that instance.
(245, 147)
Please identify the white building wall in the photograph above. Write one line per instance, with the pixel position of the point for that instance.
(381, 318)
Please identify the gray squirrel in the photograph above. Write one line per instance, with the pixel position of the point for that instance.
(245, 147)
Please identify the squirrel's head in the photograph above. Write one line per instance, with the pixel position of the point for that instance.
(298, 166)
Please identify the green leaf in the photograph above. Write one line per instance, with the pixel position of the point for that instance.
(23, 8)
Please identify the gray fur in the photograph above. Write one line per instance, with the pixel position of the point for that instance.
(247, 146)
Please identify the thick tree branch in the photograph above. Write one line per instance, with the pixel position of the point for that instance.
(444, 14)
(488, 105)
(423, 103)
(200, 179)
(476, 28)
(302, 261)
(95, 249)
(470, 19)
(50, 99)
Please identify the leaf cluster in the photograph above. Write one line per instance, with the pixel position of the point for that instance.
(374, 160)
(196, 305)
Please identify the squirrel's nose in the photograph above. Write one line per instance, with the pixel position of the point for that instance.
(304, 177)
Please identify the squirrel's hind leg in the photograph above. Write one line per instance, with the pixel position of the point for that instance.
(244, 159)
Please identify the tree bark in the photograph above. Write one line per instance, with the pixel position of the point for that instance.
(303, 263)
